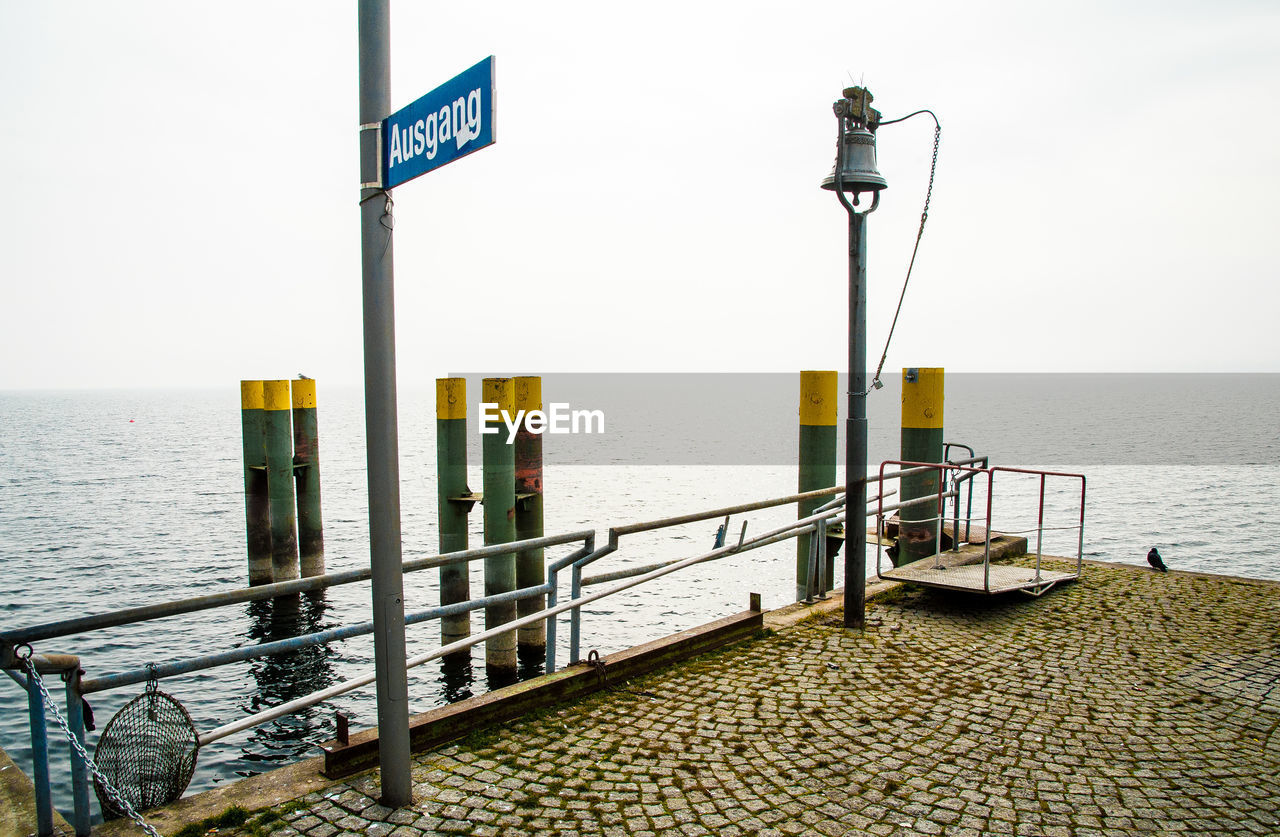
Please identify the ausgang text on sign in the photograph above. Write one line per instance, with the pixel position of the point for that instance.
(450, 122)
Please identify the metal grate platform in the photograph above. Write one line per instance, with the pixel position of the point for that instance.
(969, 578)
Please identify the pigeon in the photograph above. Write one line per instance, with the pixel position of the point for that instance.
(1154, 559)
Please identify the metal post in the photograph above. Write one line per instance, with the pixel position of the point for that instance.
(256, 515)
(921, 441)
(552, 598)
(278, 438)
(39, 758)
(814, 569)
(1080, 531)
(451, 484)
(306, 461)
(854, 120)
(79, 770)
(818, 402)
(941, 509)
(575, 616)
(499, 469)
(380, 408)
(855, 433)
(1040, 529)
(955, 517)
(826, 571)
(530, 563)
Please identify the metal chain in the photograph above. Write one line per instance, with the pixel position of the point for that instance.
(113, 795)
(876, 383)
(597, 662)
(1038, 529)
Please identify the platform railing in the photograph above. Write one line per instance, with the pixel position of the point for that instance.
(966, 481)
(956, 473)
(817, 524)
(1040, 527)
(945, 470)
(577, 582)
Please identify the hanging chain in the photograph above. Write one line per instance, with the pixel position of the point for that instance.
(597, 662)
(114, 796)
(153, 688)
(876, 383)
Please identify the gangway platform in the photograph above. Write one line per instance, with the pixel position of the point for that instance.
(963, 570)
(977, 578)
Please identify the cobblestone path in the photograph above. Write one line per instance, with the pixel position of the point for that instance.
(1131, 702)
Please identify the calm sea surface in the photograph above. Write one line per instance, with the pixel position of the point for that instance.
(115, 499)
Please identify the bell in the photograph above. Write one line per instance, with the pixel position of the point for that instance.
(860, 173)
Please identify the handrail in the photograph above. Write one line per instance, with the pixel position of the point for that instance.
(266, 649)
(697, 517)
(772, 536)
(240, 595)
(617, 532)
(831, 515)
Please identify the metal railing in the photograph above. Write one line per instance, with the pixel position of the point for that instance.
(956, 474)
(965, 480)
(11, 641)
(577, 582)
(816, 524)
(584, 555)
(69, 667)
(1040, 527)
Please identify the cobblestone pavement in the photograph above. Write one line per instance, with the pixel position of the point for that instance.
(1132, 702)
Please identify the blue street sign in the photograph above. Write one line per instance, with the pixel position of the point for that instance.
(449, 122)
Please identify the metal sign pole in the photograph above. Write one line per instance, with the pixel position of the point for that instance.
(380, 408)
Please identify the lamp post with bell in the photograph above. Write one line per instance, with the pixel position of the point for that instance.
(854, 173)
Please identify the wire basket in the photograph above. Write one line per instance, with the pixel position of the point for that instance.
(147, 753)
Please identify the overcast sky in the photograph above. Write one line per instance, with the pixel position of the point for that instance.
(180, 183)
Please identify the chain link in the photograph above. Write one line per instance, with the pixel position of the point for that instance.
(597, 662)
(933, 168)
(115, 797)
(924, 216)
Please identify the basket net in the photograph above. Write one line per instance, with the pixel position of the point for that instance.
(147, 752)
